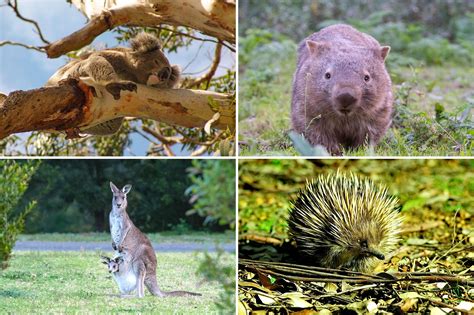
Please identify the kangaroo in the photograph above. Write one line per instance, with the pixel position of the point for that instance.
(135, 266)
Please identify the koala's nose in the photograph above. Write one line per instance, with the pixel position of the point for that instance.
(346, 100)
(165, 73)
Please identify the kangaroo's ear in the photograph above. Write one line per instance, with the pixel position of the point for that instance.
(114, 188)
(105, 260)
(126, 188)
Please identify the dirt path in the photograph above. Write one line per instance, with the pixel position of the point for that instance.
(106, 246)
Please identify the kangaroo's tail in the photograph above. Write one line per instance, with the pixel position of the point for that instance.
(180, 293)
(152, 286)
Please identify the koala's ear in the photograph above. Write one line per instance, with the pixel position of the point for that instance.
(384, 50)
(126, 188)
(316, 48)
(114, 188)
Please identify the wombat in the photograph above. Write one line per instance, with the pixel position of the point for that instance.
(342, 94)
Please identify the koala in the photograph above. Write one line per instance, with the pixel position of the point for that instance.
(143, 63)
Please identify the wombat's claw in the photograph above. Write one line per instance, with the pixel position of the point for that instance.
(115, 88)
(73, 133)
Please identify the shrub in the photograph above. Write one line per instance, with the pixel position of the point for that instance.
(14, 182)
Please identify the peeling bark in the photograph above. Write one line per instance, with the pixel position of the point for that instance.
(77, 105)
(215, 18)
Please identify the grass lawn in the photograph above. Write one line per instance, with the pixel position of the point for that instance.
(429, 102)
(165, 237)
(77, 282)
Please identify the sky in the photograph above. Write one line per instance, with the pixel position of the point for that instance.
(24, 69)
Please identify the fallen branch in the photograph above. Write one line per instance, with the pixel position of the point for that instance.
(214, 18)
(318, 274)
(76, 105)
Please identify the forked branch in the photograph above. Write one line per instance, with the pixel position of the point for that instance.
(215, 18)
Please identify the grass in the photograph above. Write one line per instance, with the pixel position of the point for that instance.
(429, 103)
(164, 237)
(65, 282)
(266, 187)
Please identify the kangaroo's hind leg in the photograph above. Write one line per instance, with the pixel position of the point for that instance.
(152, 285)
(141, 280)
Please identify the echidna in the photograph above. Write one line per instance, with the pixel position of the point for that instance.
(341, 221)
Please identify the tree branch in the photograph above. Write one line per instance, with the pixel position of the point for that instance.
(15, 8)
(215, 18)
(9, 42)
(231, 48)
(77, 105)
(210, 73)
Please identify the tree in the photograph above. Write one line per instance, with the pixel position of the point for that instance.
(13, 183)
(212, 194)
(199, 117)
(156, 202)
(213, 191)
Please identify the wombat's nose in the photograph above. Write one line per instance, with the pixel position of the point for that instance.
(346, 100)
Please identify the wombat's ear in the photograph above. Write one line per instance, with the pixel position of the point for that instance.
(316, 47)
(384, 50)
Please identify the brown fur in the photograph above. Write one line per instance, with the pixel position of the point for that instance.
(144, 60)
(344, 110)
(138, 251)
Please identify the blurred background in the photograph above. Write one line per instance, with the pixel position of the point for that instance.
(430, 63)
(428, 189)
(73, 196)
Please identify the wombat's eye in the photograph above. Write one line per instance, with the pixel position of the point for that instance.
(366, 78)
(327, 75)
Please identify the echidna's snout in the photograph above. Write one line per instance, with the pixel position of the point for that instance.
(375, 253)
(368, 251)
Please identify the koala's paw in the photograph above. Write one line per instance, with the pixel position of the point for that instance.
(73, 133)
(115, 88)
(114, 246)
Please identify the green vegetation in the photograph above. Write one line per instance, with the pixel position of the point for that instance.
(437, 205)
(213, 197)
(212, 192)
(55, 282)
(15, 181)
(431, 73)
(169, 237)
(424, 187)
(74, 195)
